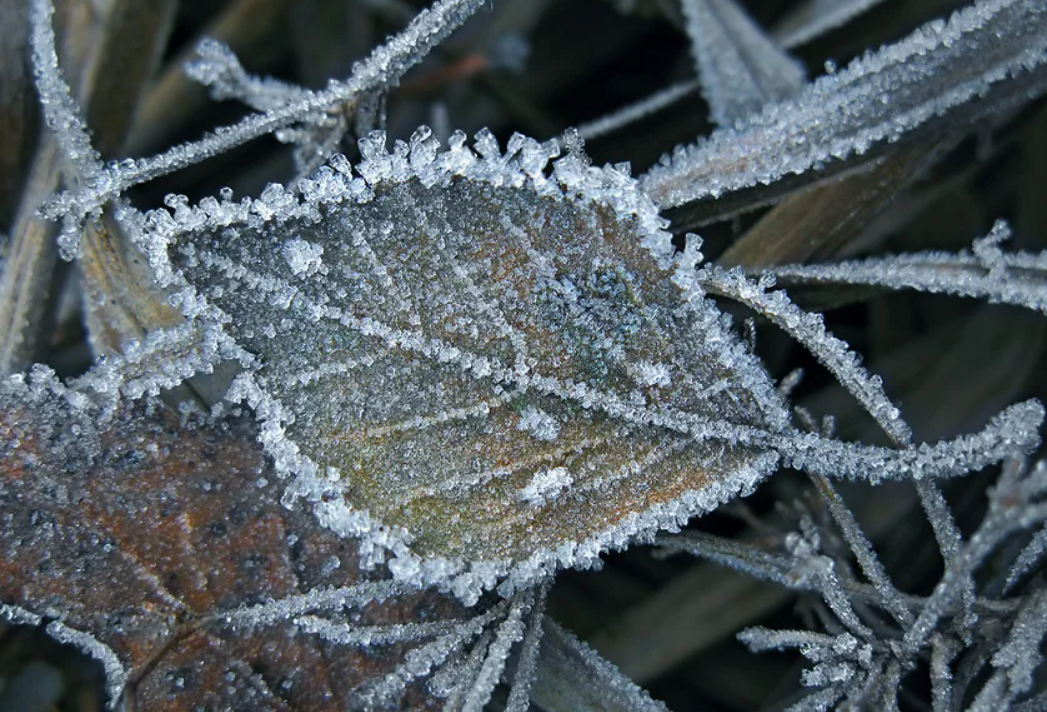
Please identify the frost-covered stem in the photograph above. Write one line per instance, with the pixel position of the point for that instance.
(764, 565)
(989, 274)
(526, 666)
(637, 110)
(371, 635)
(318, 599)
(510, 631)
(467, 671)
(949, 539)
(60, 109)
(423, 660)
(1016, 661)
(1010, 509)
(863, 551)
(809, 329)
(943, 652)
(383, 67)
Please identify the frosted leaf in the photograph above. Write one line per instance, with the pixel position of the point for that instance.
(146, 539)
(740, 68)
(521, 323)
(985, 273)
(880, 97)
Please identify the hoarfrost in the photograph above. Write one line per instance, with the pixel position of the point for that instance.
(546, 485)
(538, 423)
(984, 273)
(303, 257)
(740, 68)
(880, 97)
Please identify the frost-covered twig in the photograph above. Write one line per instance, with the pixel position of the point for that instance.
(985, 273)
(638, 110)
(809, 329)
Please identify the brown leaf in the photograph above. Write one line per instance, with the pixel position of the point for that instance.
(141, 532)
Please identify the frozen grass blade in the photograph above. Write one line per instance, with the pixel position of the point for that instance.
(812, 18)
(526, 666)
(382, 68)
(565, 660)
(986, 273)
(638, 110)
(809, 329)
(879, 98)
(740, 68)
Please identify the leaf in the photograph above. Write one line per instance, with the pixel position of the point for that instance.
(944, 74)
(472, 306)
(161, 548)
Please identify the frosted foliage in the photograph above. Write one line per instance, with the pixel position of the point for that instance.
(880, 97)
(984, 273)
(740, 68)
(981, 646)
(521, 325)
(381, 69)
